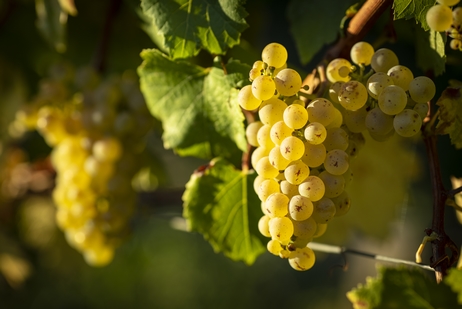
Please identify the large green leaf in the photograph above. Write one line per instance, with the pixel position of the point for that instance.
(220, 203)
(402, 288)
(450, 115)
(416, 9)
(51, 22)
(315, 23)
(187, 25)
(197, 106)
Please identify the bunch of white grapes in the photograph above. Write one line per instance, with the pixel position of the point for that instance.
(388, 99)
(440, 17)
(302, 158)
(303, 150)
(90, 130)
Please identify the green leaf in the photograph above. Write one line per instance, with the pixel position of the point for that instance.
(314, 23)
(197, 106)
(51, 22)
(220, 203)
(187, 26)
(450, 115)
(430, 51)
(454, 280)
(417, 9)
(402, 288)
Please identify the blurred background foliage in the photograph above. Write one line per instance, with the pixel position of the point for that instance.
(160, 265)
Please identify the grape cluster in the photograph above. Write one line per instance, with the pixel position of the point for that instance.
(303, 149)
(440, 17)
(95, 128)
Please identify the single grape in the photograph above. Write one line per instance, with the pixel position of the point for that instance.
(292, 148)
(377, 82)
(422, 89)
(314, 155)
(320, 230)
(421, 109)
(274, 247)
(315, 133)
(296, 172)
(300, 208)
(259, 65)
(378, 122)
(254, 73)
(277, 205)
(264, 137)
(274, 54)
(304, 229)
(263, 226)
(333, 68)
(337, 122)
(259, 153)
(353, 95)
(334, 184)
(355, 120)
(321, 110)
(457, 16)
(265, 169)
(401, 76)
(295, 116)
(337, 162)
(271, 111)
(288, 82)
(392, 100)
(277, 160)
(361, 53)
(336, 138)
(263, 87)
(246, 99)
(456, 44)
(383, 59)
(324, 210)
(267, 187)
(302, 259)
(439, 17)
(313, 188)
(281, 229)
(279, 131)
(407, 123)
(288, 189)
(251, 133)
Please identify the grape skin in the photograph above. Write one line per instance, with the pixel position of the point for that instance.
(439, 17)
(383, 59)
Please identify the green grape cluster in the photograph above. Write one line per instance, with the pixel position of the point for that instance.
(302, 158)
(95, 129)
(386, 100)
(441, 17)
(304, 147)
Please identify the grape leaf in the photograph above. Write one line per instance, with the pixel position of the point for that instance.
(402, 288)
(197, 106)
(188, 26)
(51, 23)
(408, 9)
(430, 51)
(220, 203)
(450, 115)
(454, 280)
(306, 29)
